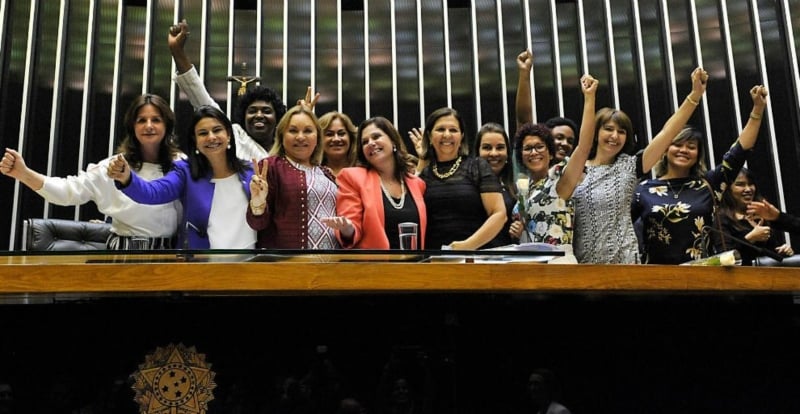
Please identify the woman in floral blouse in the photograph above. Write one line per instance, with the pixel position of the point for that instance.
(675, 207)
(548, 209)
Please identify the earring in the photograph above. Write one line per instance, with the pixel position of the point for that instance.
(229, 145)
(196, 152)
(394, 149)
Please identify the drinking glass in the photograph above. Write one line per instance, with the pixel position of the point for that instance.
(408, 235)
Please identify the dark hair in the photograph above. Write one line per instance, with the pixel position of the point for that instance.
(130, 147)
(326, 120)
(559, 121)
(198, 162)
(506, 174)
(283, 124)
(403, 162)
(259, 93)
(533, 130)
(426, 134)
(699, 168)
(728, 204)
(623, 120)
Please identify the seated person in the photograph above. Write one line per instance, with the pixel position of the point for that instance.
(744, 214)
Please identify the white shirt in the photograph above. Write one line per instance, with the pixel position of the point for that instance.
(227, 221)
(128, 217)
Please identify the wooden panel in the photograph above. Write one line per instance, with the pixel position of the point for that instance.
(323, 274)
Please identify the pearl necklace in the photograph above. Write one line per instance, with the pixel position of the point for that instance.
(397, 206)
(448, 174)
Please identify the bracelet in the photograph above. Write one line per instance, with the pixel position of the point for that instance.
(692, 101)
(755, 116)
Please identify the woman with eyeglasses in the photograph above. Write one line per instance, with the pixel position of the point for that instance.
(548, 211)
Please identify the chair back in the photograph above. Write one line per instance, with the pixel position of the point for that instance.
(64, 235)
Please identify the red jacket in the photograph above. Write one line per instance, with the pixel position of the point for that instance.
(360, 199)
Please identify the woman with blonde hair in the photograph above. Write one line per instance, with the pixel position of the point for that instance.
(291, 193)
(339, 146)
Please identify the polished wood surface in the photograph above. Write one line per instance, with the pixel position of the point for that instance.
(310, 274)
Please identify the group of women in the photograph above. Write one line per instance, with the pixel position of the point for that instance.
(325, 184)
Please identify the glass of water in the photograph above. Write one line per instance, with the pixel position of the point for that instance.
(408, 235)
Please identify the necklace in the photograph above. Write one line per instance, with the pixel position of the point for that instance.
(676, 194)
(449, 173)
(398, 205)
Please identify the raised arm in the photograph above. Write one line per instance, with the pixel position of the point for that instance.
(187, 79)
(747, 139)
(177, 39)
(678, 120)
(13, 165)
(524, 105)
(574, 169)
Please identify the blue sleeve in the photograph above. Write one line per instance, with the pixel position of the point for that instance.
(163, 190)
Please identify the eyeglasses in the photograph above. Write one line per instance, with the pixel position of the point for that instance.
(528, 149)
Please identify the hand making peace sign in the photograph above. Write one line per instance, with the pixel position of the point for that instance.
(259, 187)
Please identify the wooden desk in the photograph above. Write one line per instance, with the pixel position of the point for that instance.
(621, 338)
(313, 274)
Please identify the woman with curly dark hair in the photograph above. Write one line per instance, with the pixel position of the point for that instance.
(258, 111)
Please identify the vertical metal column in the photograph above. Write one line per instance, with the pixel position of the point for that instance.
(231, 25)
(148, 39)
(768, 118)
(25, 104)
(395, 110)
(367, 109)
(526, 10)
(446, 25)
(558, 81)
(502, 51)
(339, 80)
(637, 26)
(703, 102)
(420, 66)
(476, 75)
(612, 61)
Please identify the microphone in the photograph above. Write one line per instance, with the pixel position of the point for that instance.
(762, 251)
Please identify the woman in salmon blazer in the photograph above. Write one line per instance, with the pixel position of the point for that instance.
(374, 197)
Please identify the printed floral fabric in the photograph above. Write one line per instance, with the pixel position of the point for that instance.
(548, 218)
(672, 213)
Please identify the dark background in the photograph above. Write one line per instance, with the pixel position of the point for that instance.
(611, 353)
